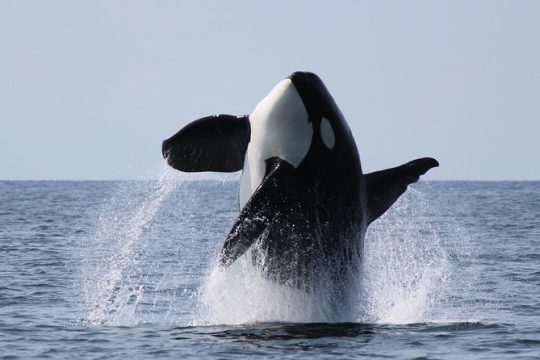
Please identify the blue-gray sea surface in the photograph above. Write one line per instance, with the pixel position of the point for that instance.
(104, 270)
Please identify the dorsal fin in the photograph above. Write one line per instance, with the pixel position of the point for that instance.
(386, 186)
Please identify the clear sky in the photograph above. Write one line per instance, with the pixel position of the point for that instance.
(89, 89)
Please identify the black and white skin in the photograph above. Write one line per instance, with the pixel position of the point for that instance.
(305, 204)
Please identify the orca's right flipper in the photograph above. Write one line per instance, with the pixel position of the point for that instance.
(386, 186)
(213, 143)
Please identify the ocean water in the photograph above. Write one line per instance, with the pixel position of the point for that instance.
(126, 269)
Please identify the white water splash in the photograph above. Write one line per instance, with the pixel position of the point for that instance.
(113, 283)
(407, 277)
(239, 294)
(410, 273)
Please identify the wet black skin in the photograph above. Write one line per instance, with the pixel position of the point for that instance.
(312, 218)
(307, 223)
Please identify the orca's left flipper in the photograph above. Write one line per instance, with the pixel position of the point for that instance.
(386, 186)
(213, 143)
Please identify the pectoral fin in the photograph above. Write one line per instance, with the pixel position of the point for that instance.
(257, 214)
(386, 186)
(214, 143)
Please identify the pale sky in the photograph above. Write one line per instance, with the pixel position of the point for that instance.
(89, 89)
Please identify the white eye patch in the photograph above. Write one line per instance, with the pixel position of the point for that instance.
(327, 134)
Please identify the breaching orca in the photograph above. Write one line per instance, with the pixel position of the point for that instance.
(305, 203)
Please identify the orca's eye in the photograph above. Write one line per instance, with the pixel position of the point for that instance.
(327, 134)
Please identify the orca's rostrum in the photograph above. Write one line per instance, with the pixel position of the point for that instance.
(304, 202)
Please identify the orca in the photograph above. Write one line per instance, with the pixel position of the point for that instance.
(305, 203)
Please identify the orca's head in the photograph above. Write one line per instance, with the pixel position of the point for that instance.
(298, 117)
(327, 120)
(297, 111)
(315, 97)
